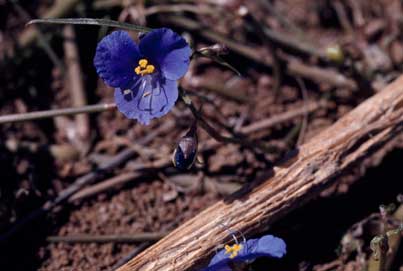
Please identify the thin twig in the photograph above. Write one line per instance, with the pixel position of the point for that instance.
(281, 18)
(102, 186)
(280, 118)
(342, 15)
(198, 9)
(295, 68)
(75, 80)
(56, 112)
(115, 238)
(287, 41)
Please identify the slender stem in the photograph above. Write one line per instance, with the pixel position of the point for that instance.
(254, 145)
(56, 112)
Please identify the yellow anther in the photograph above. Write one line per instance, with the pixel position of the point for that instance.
(143, 67)
(150, 68)
(233, 250)
(143, 63)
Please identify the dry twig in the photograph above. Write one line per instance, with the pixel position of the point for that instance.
(302, 176)
(75, 80)
(295, 68)
(116, 238)
(56, 112)
(280, 118)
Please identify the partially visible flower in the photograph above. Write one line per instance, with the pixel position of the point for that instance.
(266, 246)
(144, 76)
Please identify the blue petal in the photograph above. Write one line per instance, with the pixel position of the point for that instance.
(151, 97)
(116, 57)
(219, 262)
(266, 246)
(272, 246)
(168, 51)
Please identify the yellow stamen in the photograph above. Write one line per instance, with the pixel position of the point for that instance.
(233, 250)
(150, 68)
(143, 68)
(146, 94)
(143, 63)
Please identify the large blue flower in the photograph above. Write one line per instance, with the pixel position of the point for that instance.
(266, 246)
(144, 76)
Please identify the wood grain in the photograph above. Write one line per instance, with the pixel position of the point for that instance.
(303, 174)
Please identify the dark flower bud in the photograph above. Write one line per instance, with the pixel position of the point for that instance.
(214, 50)
(185, 152)
(335, 53)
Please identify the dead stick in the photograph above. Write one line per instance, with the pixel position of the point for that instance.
(295, 68)
(302, 176)
(55, 113)
(116, 238)
(280, 118)
(75, 80)
(102, 186)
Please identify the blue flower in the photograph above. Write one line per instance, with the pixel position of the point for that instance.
(266, 246)
(144, 75)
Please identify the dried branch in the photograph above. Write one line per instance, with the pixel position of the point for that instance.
(295, 68)
(283, 117)
(302, 176)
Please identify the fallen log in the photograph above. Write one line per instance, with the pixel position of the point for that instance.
(302, 175)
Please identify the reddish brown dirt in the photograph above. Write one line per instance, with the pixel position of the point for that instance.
(162, 198)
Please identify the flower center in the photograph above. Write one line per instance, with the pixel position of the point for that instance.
(233, 250)
(144, 68)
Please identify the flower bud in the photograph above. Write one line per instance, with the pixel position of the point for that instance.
(185, 152)
(335, 54)
(214, 50)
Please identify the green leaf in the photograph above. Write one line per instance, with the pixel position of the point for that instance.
(91, 21)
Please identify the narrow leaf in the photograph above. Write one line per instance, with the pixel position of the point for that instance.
(91, 21)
